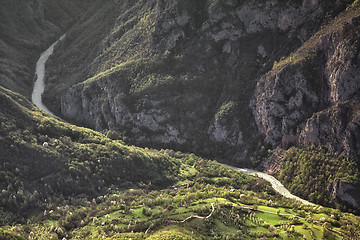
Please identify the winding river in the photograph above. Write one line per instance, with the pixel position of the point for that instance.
(276, 184)
(39, 87)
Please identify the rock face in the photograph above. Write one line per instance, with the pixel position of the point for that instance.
(341, 123)
(346, 193)
(279, 105)
(181, 74)
(313, 98)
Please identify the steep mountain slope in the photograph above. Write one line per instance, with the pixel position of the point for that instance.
(312, 98)
(316, 85)
(178, 74)
(27, 27)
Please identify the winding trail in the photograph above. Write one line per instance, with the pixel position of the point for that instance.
(39, 85)
(276, 184)
(196, 216)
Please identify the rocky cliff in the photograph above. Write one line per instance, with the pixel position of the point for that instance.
(345, 192)
(179, 74)
(312, 96)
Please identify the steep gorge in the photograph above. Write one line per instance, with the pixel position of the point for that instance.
(179, 74)
(223, 79)
(206, 77)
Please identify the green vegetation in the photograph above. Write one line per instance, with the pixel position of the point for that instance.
(173, 233)
(82, 161)
(309, 170)
(83, 185)
(243, 207)
(225, 109)
(6, 235)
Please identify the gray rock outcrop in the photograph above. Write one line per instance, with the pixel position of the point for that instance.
(314, 97)
(346, 193)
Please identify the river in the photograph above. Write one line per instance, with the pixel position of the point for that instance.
(276, 184)
(39, 87)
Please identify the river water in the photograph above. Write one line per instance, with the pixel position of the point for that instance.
(276, 184)
(39, 88)
(39, 85)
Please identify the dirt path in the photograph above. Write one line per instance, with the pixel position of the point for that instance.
(196, 216)
(192, 216)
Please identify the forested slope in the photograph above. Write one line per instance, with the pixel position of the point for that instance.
(45, 160)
